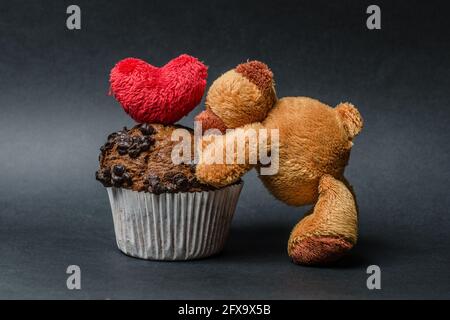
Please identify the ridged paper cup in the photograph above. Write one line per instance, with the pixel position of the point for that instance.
(172, 226)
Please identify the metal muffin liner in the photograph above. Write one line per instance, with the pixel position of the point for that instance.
(173, 226)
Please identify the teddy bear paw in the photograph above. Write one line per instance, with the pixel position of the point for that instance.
(318, 250)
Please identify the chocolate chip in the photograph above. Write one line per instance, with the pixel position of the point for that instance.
(146, 143)
(154, 185)
(104, 176)
(169, 175)
(112, 136)
(122, 134)
(118, 177)
(127, 179)
(134, 152)
(118, 170)
(147, 129)
(145, 146)
(125, 139)
(117, 181)
(157, 189)
(122, 147)
(153, 180)
(180, 181)
(195, 183)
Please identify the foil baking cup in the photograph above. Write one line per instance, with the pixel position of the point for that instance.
(173, 226)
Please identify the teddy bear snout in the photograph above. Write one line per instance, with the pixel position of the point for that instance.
(209, 120)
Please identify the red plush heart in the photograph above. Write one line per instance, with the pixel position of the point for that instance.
(158, 95)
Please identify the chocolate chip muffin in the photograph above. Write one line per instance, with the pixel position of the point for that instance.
(160, 210)
(140, 159)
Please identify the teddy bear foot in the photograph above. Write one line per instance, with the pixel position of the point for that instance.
(330, 229)
(319, 250)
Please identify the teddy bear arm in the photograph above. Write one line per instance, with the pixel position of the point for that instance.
(330, 229)
(220, 175)
(239, 154)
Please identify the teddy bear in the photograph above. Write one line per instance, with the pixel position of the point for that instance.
(314, 146)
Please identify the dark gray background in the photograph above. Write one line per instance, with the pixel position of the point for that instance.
(55, 113)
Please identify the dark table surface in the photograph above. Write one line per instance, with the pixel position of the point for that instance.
(55, 113)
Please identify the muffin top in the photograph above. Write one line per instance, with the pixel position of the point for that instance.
(140, 159)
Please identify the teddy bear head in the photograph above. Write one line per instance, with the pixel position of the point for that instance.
(240, 96)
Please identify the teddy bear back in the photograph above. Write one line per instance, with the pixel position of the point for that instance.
(315, 139)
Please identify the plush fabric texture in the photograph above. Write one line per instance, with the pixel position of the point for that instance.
(313, 143)
(210, 120)
(319, 250)
(238, 101)
(258, 73)
(314, 148)
(158, 95)
(222, 174)
(330, 230)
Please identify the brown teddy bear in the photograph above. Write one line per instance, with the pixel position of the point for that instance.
(314, 147)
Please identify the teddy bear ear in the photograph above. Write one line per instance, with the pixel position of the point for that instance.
(351, 118)
(258, 73)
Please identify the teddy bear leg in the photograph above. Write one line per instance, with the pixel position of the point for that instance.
(330, 228)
